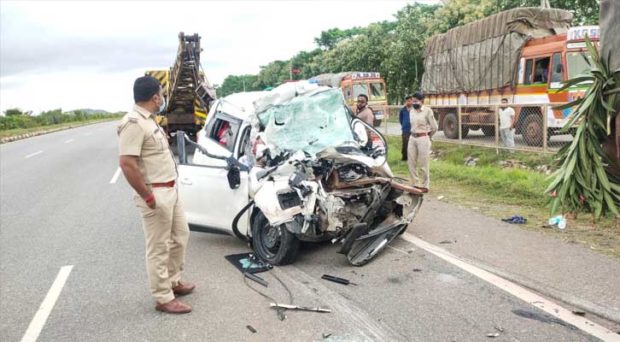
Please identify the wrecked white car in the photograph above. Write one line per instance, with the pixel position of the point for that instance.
(293, 164)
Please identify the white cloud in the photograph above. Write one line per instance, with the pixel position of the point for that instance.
(73, 54)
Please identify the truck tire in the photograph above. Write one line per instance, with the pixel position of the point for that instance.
(532, 130)
(489, 131)
(377, 123)
(451, 127)
(275, 245)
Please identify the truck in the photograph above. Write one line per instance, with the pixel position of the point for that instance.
(522, 54)
(187, 91)
(354, 83)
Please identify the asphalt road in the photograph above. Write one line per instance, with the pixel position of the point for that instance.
(59, 208)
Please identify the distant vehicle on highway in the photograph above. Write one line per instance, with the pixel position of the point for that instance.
(354, 83)
(293, 164)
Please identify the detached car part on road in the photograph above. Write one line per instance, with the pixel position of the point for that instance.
(293, 164)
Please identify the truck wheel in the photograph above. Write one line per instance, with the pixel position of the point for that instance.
(489, 131)
(451, 126)
(275, 245)
(377, 123)
(532, 130)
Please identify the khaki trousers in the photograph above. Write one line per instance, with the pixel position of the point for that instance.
(166, 234)
(418, 156)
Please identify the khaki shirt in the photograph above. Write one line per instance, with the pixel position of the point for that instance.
(367, 116)
(139, 135)
(423, 120)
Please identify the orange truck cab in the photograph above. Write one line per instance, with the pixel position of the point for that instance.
(469, 69)
(355, 83)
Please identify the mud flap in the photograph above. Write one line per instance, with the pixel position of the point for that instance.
(366, 247)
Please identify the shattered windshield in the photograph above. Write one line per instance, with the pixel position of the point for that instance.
(311, 123)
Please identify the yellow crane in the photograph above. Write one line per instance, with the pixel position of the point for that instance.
(187, 91)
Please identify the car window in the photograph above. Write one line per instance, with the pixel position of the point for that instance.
(224, 131)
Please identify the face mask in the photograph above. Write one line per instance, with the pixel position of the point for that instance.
(417, 106)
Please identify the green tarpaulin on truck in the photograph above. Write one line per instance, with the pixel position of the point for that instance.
(484, 54)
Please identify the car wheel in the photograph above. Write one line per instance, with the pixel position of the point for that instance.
(273, 244)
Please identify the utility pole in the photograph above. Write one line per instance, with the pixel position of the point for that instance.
(545, 4)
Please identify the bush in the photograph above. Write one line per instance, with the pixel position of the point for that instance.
(52, 117)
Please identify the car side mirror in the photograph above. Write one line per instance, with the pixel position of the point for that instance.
(234, 177)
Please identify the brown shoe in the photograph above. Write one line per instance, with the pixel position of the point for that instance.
(183, 289)
(174, 306)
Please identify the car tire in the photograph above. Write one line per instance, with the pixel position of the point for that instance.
(275, 245)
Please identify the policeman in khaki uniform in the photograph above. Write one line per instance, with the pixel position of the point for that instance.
(423, 127)
(150, 169)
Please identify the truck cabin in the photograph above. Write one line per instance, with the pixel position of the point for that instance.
(549, 61)
(369, 83)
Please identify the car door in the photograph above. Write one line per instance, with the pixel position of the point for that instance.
(210, 203)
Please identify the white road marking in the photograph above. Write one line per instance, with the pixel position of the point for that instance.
(518, 291)
(37, 323)
(399, 250)
(69, 141)
(116, 175)
(33, 154)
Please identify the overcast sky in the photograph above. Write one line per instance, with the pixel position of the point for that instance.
(86, 54)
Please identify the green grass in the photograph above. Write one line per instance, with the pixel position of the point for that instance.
(503, 192)
(20, 131)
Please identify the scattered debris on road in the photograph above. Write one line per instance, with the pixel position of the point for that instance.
(337, 280)
(471, 161)
(300, 308)
(515, 220)
(579, 313)
(440, 197)
(251, 328)
(558, 221)
(447, 242)
(256, 278)
(326, 335)
(493, 335)
(417, 270)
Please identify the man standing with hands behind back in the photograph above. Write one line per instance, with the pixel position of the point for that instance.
(150, 169)
(423, 127)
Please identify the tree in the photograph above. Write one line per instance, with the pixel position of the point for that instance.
(273, 74)
(237, 83)
(15, 112)
(330, 38)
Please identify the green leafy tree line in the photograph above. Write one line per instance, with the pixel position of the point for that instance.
(394, 48)
(16, 118)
